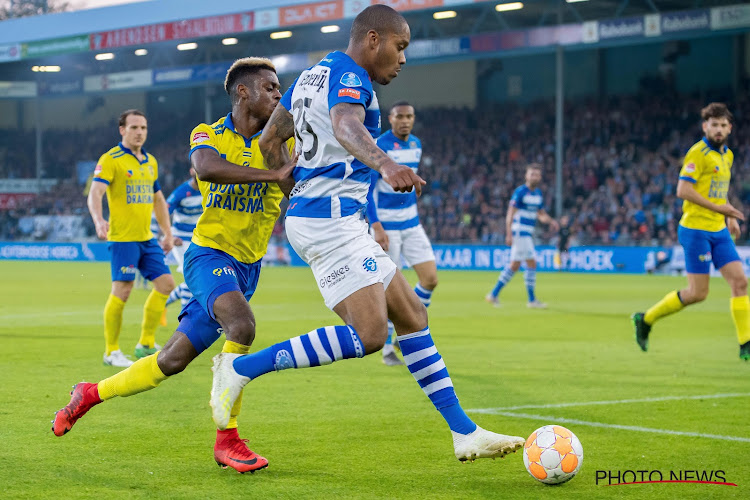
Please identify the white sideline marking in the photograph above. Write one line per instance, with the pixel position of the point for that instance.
(612, 402)
(620, 427)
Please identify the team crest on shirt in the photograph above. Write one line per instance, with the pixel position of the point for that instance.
(151, 170)
(351, 80)
(283, 360)
(716, 168)
(130, 173)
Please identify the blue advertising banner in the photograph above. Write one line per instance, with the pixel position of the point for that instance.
(92, 252)
(621, 28)
(686, 21)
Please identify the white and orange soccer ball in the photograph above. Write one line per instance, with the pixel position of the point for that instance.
(552, 454)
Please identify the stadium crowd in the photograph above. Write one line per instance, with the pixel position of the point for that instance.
(622, 159)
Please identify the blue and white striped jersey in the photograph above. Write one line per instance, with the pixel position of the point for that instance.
(185, 206)
(330, 183)
(528, 202)
(395, 211)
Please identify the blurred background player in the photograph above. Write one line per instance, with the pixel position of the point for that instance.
(707, 228)
(241, 205)
(185, 206)
(526, 206)
(560, 261)
(394, 217)
(129, 177)
(333, 110)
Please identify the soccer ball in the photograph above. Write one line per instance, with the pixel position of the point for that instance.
(552, 454)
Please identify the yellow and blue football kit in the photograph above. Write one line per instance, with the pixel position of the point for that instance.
(131, 184)
(232, 233)
(702, 232)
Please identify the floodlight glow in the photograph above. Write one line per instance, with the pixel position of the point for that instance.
(329, 29)
(504, 7)
(45, 69)
(276, 35)
(187, 46)
(141, 52)
(104, 56)
(230, 41)
(444, 14)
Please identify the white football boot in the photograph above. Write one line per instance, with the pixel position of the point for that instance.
(117, 358)
(536, 305)
(492, 300)
(226, 388)
(484, 444)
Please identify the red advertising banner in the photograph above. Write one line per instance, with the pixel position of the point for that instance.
(178, 30)
(311, 13)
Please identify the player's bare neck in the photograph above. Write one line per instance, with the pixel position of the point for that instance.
(245, 123)
(357, 53)
(401, 137)
(136, 150)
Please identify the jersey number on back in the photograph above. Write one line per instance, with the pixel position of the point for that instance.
(302, 126)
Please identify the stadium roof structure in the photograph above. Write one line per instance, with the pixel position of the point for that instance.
(179, 34)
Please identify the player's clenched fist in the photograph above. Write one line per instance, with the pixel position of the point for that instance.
(401, 178)
(102, 227)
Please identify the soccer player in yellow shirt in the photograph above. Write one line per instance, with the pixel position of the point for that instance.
(128, 175)
(707, 228)
(222, 265)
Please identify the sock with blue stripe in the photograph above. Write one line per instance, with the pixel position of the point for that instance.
(503, 280)
(427, 367)
(425, 295)
(181, 293)
(316, 348)
(388, 347)
(530, 278)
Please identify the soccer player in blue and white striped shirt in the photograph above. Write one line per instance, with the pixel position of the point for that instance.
(185, 206)
(394, 218)
(526, 206)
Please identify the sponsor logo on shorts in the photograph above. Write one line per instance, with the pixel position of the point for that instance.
(354, 94)
(128, 269)
(199, 137)
(370, 265)
(333, 277)
(283, 360)
(224, 270)
(706, 257)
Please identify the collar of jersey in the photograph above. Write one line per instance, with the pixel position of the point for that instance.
(228, 123)
(710, 146)
(399, 140)
(145, 154)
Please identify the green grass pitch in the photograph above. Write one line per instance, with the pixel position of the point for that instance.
(359, 429)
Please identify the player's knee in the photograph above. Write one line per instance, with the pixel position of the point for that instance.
(698, 295)
(430, 282)
(373, 335)
(171, 363)
(165, 284)
(240, 329)
(739, 285)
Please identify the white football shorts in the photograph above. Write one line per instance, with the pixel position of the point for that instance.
(343, 256)
(411, 244)
(522, 248)
(178, 253)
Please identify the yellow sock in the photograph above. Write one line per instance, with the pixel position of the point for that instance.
(143, 375)
(112, 323)
(740, 307)
(152, 311)
(235, 348)
(669, 304)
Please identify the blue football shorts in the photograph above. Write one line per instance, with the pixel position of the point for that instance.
(704, 247)
(129, 256)
(210, 273)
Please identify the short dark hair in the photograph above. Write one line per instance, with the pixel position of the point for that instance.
(124, 116)
(245, 67)
(380, 18)
(716, 110)
(400, 103)
(534, 166)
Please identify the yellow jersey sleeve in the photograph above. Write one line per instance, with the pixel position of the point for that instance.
(105, 169)
(203, 136)
(692, 166)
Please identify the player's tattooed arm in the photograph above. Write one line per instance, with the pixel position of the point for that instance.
(273, 145)
(348, 127)
(272, 142)
(210, 167)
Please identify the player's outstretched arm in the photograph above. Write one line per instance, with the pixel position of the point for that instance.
(94, 202)
(686, 191)
(211, 167)
(348, 127)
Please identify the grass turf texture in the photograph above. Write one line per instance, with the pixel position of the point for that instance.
(359, 429)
